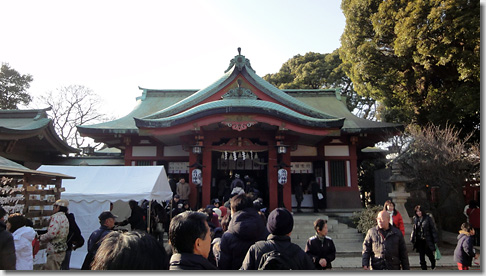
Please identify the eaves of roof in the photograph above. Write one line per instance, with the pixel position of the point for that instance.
(239, 106)
(335, 105)
(24, 124)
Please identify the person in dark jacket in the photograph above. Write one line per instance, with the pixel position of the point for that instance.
(299, 195)
(190, 239)
(7, 246)
(315, 198)
(465, 252)
(136, 219)
(321, 247)
(280, 224)
(74, 240)
(107, 222)
(424, 237)
(245, 228)
(385, 246)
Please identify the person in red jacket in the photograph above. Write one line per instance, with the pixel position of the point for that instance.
(395, 217)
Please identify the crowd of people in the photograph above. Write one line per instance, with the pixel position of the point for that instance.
(237, 234)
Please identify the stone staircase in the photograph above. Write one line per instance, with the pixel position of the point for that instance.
(346, 239)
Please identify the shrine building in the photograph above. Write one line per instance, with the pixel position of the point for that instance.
(241, 124)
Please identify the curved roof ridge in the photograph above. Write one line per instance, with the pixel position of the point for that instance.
(283, 97)
(189, 101)
(235, 105)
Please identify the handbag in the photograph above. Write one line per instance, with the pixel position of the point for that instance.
(437, 254)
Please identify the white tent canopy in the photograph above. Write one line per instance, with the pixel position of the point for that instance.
(96, 186)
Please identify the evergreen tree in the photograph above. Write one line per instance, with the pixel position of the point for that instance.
(13, 88)
(321, 71)
(419, 59)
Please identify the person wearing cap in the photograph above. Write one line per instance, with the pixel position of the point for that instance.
(107, 222)
(56, 236)
(214, 204)
(280, 224)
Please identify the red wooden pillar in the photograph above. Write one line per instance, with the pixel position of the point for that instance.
(206, 175)
(287, 192)
(128, 155)
(272, 178)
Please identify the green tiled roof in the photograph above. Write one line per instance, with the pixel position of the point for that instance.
(32, 124)
(328, 100)
(164, 108)
(243, 106)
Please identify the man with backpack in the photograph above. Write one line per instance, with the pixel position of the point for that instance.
(277, 252)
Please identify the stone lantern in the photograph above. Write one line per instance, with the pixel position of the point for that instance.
(399, 195)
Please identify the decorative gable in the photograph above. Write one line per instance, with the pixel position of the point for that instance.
(239, 93)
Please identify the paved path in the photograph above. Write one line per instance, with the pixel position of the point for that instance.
(449, 240)
(348, 256)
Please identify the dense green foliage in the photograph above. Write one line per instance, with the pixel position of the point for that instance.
(13, 88)
(419, 59)
(321, 71)
(366, 218)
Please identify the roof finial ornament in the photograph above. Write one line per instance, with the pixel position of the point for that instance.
(239, 61)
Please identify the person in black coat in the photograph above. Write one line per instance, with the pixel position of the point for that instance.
(321, 247)
(464, 251)
(315, 198)
(385, 246)
(299, 195)
(190, 239)
(245, 228)
(136, 219)
(7, 246)
(424, 237)
(74, 240)
(280, 224)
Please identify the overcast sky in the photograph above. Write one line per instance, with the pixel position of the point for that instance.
(113, 47)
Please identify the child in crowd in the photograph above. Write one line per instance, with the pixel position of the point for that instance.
(465, 252)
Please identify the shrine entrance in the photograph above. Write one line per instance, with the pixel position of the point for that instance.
(252, 168)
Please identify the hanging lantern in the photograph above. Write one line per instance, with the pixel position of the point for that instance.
(256, 155)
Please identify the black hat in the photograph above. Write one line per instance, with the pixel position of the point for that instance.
(106, 215)
(177, 196)
(215, 200)
(280, 222)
